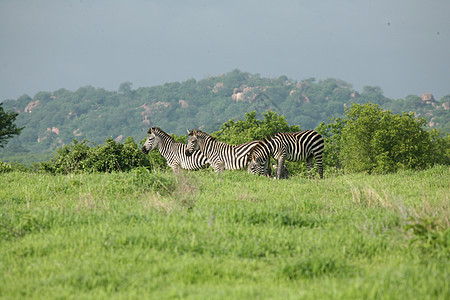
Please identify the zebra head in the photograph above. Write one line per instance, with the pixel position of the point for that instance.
(259, 165)
(192, 144)
(150, 142)
(259, 159)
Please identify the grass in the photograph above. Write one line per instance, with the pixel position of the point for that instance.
(202, 235)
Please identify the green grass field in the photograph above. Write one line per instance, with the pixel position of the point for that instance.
(202, 235)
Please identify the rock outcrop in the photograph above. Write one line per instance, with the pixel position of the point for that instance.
(32, 105)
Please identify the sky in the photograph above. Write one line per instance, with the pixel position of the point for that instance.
(401, 46)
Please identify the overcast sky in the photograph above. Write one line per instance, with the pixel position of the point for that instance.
(402, 46)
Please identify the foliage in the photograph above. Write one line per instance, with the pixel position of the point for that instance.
(5, 167)
(251, 129)
(374, 140)
(55, 118)
(7, 127)
(214, 236)
(331, 133)
(440, 152)
(108, 157)
(430, 236)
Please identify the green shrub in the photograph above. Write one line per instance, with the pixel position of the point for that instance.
(109, 157)
(430, 236)
(441, 148)
(378, 141)
(331, 134)
(5, 167)
(250, 129)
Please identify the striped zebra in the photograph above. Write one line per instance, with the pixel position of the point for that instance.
(173, 152)
(221, 156)
(304, 145)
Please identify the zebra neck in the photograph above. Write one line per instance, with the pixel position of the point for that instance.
(203, 143)
(206, 145)
(165, 146)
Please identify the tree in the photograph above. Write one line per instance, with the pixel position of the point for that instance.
(250, 129)
(373, 94)
(125, 87)
(378, 141)
(7, 127)
(332, 136)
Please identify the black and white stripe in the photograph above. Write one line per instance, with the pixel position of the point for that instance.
(221, 156)
(304, 145)
(173, 152)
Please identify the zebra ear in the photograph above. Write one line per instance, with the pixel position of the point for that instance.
(189, 132)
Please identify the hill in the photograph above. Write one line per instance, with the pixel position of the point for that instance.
(52, 119)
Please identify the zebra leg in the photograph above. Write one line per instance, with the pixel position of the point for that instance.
(309, 165)
(268, 169)
(281, 167)
(219, 166)
(285, 173)
(176, 168)
(319, 167)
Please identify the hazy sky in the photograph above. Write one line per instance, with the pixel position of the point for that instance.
(402, 46)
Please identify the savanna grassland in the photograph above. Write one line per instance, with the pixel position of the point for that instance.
(201, 235)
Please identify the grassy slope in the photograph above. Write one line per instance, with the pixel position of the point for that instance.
(230, 235)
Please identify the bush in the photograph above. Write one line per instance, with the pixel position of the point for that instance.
(5, 167)
(441, 148)
(14, 166)
(108, 157)
(430, 236)
(331, 134)
(250, 129)
(378, 141)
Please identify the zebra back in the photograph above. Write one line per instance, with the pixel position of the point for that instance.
(292, 146)
(221, 155)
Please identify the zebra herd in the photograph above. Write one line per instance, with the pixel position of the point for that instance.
(202, 150)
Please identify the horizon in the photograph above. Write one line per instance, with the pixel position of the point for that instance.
(401, 47)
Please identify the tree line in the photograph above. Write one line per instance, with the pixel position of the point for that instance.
(367, 139)
(54, 119)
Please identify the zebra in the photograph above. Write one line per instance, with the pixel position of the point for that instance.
(173, 152)
(221, 156)
(304, 145)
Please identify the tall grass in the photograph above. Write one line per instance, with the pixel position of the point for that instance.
(204, 235)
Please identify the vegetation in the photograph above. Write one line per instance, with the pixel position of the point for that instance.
(7, 127)
(204, 235)
(54, 119)
(109, 157)
(106, 221)
(251, 129)
(368, 140)
(373, 140)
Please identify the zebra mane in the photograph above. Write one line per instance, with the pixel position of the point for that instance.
(159, 132)
(200, 133)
